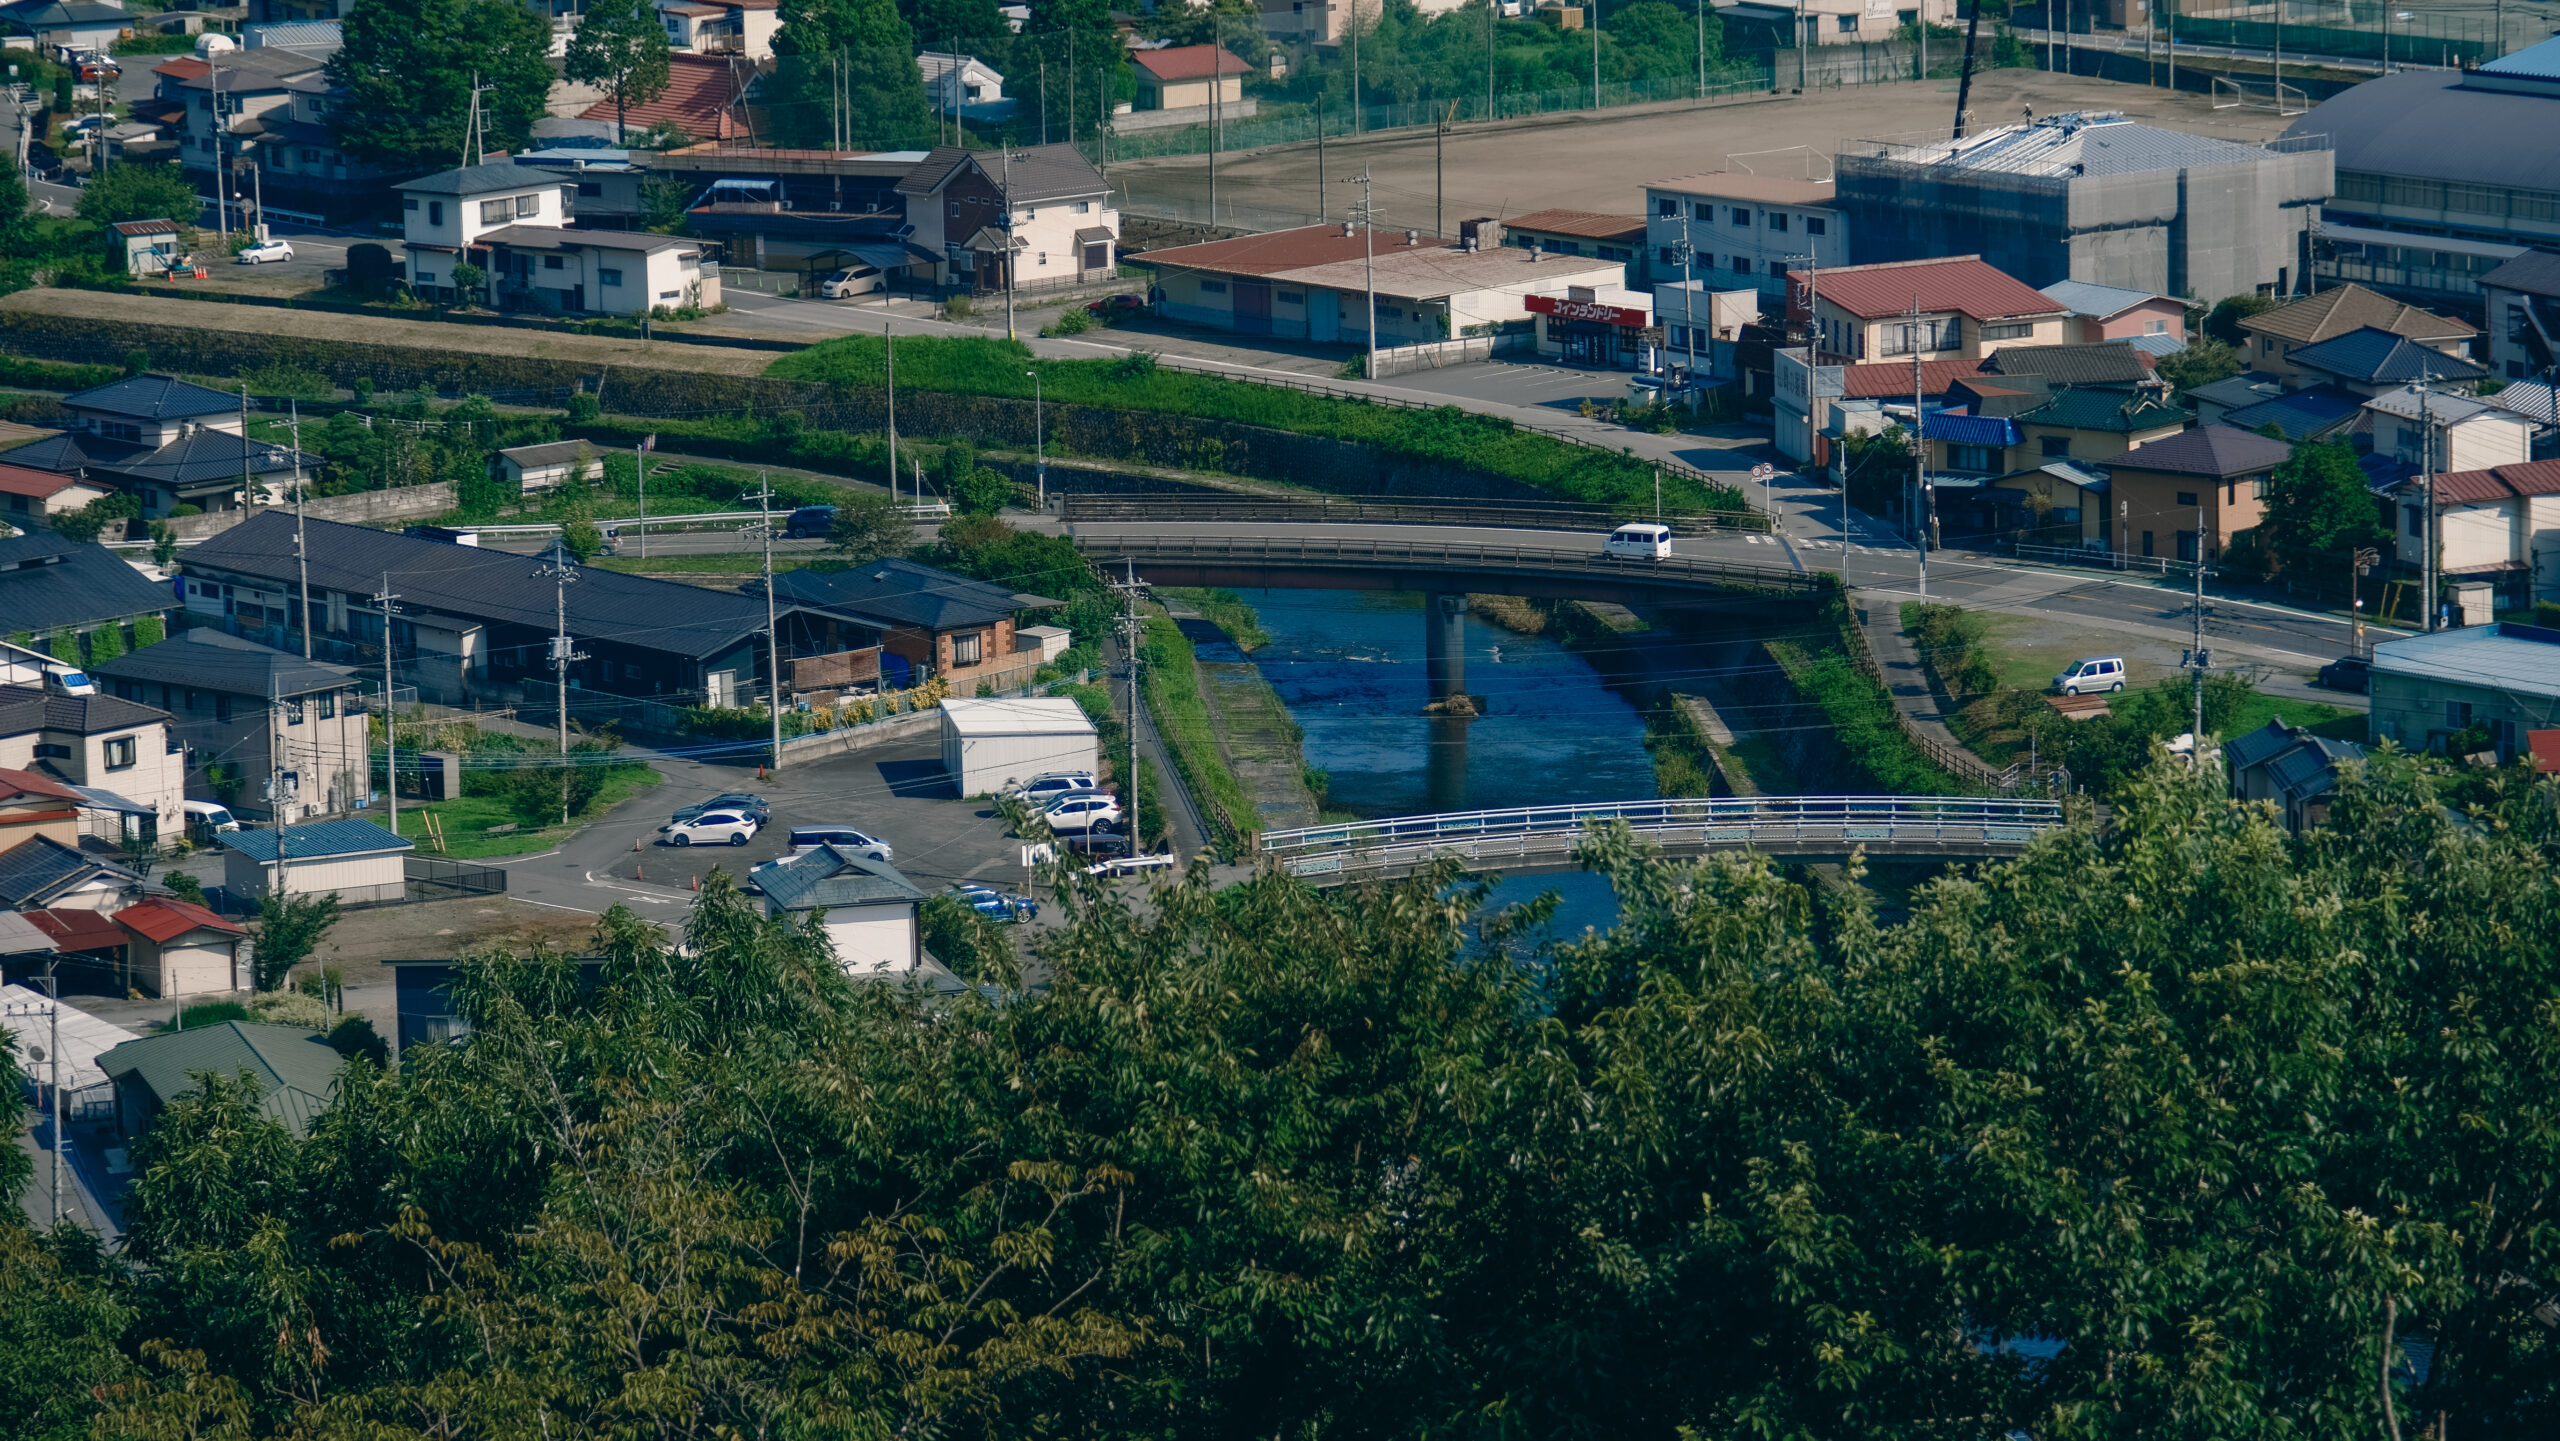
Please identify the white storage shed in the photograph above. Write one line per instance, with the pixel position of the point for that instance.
(358, 860)
(988, 744)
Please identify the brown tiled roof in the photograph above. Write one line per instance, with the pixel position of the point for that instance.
(34, 484)
(1587, 224)
(2498, 482)
(1189, 62)
(700, 90)
(1275, 251)
(2352, 307)
(1886, 379)
(1965, 283)
(1764, 189)
(14, 784)
(78, 930)
(165, 918)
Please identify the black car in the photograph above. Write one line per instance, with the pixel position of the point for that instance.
(2348, 672)
(753, 805)
(818, 521)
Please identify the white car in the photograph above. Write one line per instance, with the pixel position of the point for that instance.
(805, 839)
(2097, 672)
(1082, 811)
(850, 284)
(1040, 790)
(712, 828)
(1639, 540)
(263, 251)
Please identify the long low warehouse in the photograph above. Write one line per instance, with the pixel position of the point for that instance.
(990, 744)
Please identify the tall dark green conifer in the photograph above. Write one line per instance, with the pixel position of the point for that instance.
(408, 65)
(850, 58)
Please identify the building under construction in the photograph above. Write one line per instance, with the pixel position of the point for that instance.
(2093, 197)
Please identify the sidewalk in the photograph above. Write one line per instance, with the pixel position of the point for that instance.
(1907, 680)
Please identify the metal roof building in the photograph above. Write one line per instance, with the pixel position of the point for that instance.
(293, 1069)
(2501, 680)
(48, 583)
(2092, 197)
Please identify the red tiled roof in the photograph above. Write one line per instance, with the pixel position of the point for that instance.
(14, 784)
(2498, 482)
(1189, 62)
(165, 918)
(1885, 380)
(34, 484)
(78, 930)
(1274, 251)
(185, 67)
(1585, 223)
(1966, 283)
(697, 99)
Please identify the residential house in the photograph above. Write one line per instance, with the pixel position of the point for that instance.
(1051, 203)
(2212, 478)
(30, 499)
(2039, 451)
(179, 949)
(705, 99)
(247, 712)
(599, 184)
(2371, 361)
(2270, 338)
(128, 767)
(928, 622)
(2523, 297)
(319, 38)
(32, 805)
(2322, 412)
(511, 221)
(355, 860)
(2459, 686)
(966, 86)
(271, 108)
(1582, 232)
(167, 442)
(67, 24)
(474, 626)
(1738, 230)
(2495, 528)
(46, 874)
(721, 28)
(1938, 309)
(2422, 430)
(2156, 323)
(816, 210)
(1184, 79)
(68, 1038)
(293, 1070)
(2290, 768)
(866, 907)
(2216, 400)
(531, 468)
(1314, 282)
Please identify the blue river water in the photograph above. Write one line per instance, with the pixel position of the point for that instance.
(1348, 665)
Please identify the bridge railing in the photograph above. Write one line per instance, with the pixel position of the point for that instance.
(1546, 560)
(1360, 510)
(1959, 824)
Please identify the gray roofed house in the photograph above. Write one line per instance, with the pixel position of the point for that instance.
(2502, 679)
(43, 871)
(2319, 413)
(2290, 767)
(48, 583)
(203, 468)
(2095, 301)
(869, 908)
(2216, 399)
(153, 397)
(2112, 362)
(254, 710)
(216, 661)
(294, 1071)
(315, 841)
(903, 592)
(2374, 357)
(71, 452)
(2209, 450)
(484, 179)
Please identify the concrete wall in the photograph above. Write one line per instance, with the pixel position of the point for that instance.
(361, 508)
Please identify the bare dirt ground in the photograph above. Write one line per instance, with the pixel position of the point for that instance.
(1601, 162)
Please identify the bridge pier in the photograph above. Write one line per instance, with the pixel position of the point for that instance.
(1444, 645)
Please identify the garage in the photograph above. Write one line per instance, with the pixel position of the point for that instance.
(357, 861)
(988, 744)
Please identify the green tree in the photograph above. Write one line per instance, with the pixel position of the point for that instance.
(2319, 509)
(2203, 362)
(621, 46)
(664, 200)
(2223, 323)
(870, 525)
(140, 190)
(16, 228)
(164, 554)
(290, 927)
(185, 887)
(983, 490)
(408, 65)
(851, 61)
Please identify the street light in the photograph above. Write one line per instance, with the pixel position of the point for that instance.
(1039, 441)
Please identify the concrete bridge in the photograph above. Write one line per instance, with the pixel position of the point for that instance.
(1545, 837)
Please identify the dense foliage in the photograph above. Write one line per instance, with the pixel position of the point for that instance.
(409, 68)
(2168, 1131)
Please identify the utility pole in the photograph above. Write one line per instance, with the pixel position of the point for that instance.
(390, 709)
(2199, 656)
(248, 487)
(2427, 491)
(1919, 457)
(1491, 8)
(1367, 219)
(1321, 205)
(1702, 51)
(1595, 54)
(772, 629)
(51, 1055)
(562, 567)
(1439, 172)
(1688, 272)
(2356, 565)
(1039, 440)
(1217, 82)
(640, 459)
(1813, 384)
(221, 166)
(1010, 242)
(889, 361)
(301, 551)
(1131, 590)
(1355, 73)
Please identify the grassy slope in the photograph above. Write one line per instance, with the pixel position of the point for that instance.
(1172, 679)
(972, 366)
(467, 819)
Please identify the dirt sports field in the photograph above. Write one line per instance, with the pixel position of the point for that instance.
(1582, 162)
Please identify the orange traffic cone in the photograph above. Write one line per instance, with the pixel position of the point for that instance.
(697, 883)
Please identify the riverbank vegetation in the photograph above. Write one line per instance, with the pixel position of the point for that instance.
(2182, 1128)
(1170, 677)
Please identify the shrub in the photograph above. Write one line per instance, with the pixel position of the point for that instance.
(355, 1036)
(210, 1013)
(368, 269)
(584, 408)
(290, 1008)
(185, 887)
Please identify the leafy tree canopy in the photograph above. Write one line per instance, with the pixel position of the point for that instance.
(621, 45)
(2318, 507)
(140, 190)
(847, 64)
(2223, 323)
(2203, 362)
(408, 67)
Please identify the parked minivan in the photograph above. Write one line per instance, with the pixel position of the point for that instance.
(810, 520)
(204, 818)
(805, 839)
(2097, 672)
(1639, 541)
(850, 284)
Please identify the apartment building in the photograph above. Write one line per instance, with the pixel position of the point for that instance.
(1735, 231)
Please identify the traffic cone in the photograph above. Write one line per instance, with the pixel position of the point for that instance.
(640, 873)
(697, 882)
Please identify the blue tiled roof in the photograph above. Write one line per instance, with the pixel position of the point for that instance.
(321, 838)
(1969, 429)
(2156, 345)
(2542, 62)
(2302, 415)
(2375, 355)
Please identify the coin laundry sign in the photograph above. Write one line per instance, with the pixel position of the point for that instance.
(1584, 310)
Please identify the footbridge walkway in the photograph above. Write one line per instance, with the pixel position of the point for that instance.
(1545, 837)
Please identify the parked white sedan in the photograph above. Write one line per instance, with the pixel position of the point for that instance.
(1082, 811)
(712, 828)
(264, 251)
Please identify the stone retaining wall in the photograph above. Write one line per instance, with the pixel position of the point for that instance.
(369, 507)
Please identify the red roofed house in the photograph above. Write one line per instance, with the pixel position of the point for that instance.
(179, 949)
(30, 499)
(1178, 78)
(31, 806)
(79, 932)
(2490, 529)
(703, 96)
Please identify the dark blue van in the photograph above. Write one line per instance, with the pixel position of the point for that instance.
(817, 521)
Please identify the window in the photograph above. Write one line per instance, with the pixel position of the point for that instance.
(966, 649)
(2260, 487)
(2457, 714)
(435, 212)
(119, 430)
(1044, 257)
(955, 209)
(426, 277)
(1081, 207)
(1777, 221)
(1390, 312)
(2013, 330)
(1741, 216)
(2515, 370)
(1213, 287)
(496, 212)
(1904, 337)
(2146, 543)
(609, 278)
(2186, 545)
(591, 189)
(45, 751)
(2186, 497)
(2414, 518)
(222, 708)
(2155, 327)
(1816, 225)
(2056, 446)
(1290, 297)
(528, 206)
(409, 203)
(328, 704)
(119, 753)
(1742, 264)
(310, 157)
(1981, 459)
(1701, 210)
(551, 262)
(1667, 209)
(1848, 24)
(293, 712)
(1097, 256)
